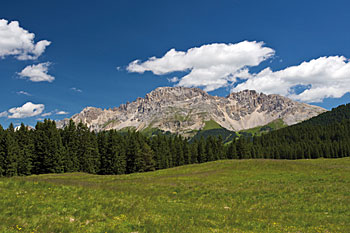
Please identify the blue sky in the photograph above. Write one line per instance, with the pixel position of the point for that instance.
(85, 41)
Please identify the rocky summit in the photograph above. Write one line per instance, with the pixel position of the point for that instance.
(183, 110)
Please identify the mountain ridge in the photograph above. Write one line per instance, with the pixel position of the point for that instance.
(182, 110)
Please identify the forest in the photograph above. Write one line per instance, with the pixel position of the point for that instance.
(47, 149)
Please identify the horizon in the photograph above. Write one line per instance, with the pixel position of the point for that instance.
(107, 54)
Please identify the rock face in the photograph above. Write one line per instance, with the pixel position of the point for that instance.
(182, 110)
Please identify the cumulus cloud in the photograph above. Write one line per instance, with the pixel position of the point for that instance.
(211, 66)
(23, 93)
(37, 73)
(3, 114)
(320, 78)
(76, 89)
(62, 113)
(173, 79)
(18, 42)
(27, 110)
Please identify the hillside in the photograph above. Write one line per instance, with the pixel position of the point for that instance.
(336, 115)
(326, 135)
(223, 196)
(186, 110)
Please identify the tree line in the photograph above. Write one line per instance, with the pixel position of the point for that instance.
(75, 148)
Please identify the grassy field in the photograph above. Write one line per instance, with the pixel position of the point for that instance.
(211, 125)
(222, 196)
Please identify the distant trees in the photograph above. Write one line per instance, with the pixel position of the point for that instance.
(75, 148)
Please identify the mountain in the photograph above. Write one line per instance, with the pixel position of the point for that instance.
(186, 110)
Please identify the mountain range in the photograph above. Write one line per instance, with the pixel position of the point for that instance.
(186, 111)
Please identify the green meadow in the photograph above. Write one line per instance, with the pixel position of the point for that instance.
(221, 196)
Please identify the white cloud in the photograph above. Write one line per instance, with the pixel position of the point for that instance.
(3, 114)
(324, 77)
(76, 89)
(211, 66)
(173, 79)
(62, 113)
(46, 114)
(23, 93)
(27, 110)
(37, 73)
(18, 42)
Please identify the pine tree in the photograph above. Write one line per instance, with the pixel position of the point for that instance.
(115, 157)
(48, 156)
(194, 152)
(133, 154)
(88, 154)
(148, 163)
(231, 151)
(103, 139)
(202, 157)
(71, 145)
(2, 151)
(242, 149)
(26, 145)
(12, 151)
(180, 160)
(187, 152)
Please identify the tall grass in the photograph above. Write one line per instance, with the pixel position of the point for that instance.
(222, 196)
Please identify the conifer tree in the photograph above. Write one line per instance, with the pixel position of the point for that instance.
(48, 156)
(2, 151)
(88, 154)
(11, 152)
(71, 145)
(202, 156)
(231, 151)
(187, 152)
(26, 150)
(115, 154)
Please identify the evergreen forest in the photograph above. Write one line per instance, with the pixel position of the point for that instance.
(47, 149)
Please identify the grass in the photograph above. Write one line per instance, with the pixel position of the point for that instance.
(149, 131)
(222, 196)
(211, 125)
(127, 129)
(259, 130)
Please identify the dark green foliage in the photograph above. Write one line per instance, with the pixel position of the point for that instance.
(48, 148)
(25, 142)
(2, 151)
(225, 134)
(71, 145)
(75, 148)
(87, 151)
(327, 135)
(12, 150)
(336, 115)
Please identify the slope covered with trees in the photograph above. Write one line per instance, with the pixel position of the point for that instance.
(327, 135)
(47, 149)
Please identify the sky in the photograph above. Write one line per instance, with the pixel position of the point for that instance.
(58, 57)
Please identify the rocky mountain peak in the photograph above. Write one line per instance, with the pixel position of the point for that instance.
(183, 110)
(175, 93)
